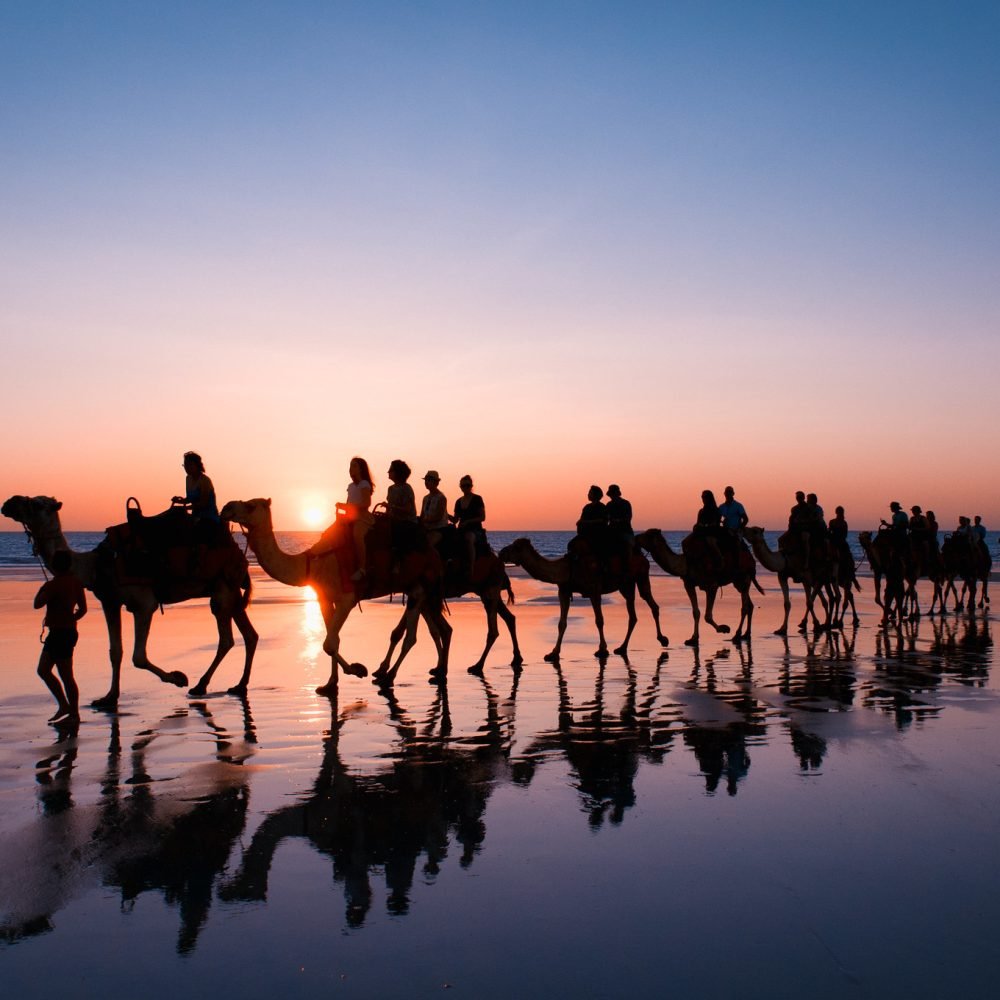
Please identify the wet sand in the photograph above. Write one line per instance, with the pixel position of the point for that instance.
(811, 817)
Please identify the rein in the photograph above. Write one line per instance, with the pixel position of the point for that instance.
(35, 552)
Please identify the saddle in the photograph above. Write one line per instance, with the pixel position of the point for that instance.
(171, 550)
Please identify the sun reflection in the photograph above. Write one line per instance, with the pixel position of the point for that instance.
(313, 627)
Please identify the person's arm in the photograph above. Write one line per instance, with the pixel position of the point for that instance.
(42, 596)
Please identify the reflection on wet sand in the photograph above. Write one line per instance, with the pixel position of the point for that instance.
(172, 836)
(603, 748)
(908, 678)
(433, 788)
(123, 811)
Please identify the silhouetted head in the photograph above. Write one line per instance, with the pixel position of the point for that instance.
(800, 497)
(895, 505)
(915, 509)
(977, 519)
(399, 470)
(465, 483)
(614, 490)
(193, 465)
(812, 498)
(708, 498)
(839, 511)
(932, 515)
(431, 478)
(594, 494)
(729, 492)
(359, 470)
(61, 562)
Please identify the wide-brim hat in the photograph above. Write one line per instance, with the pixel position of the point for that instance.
(431, 474)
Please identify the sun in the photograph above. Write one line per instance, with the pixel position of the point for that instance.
(313, 517)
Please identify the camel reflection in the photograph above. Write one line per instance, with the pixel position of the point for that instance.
(909, 672)
(434, 791)
(170, 834)
(604, 748)
(821, 683)
(719, 727)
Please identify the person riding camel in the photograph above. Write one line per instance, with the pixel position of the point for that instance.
(470, 513)
(708, 527)
(434, 508)
(199, 501)
(356, 511)
(401, 508)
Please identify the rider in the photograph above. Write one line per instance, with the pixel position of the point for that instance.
(401, 507)
(708, 526)
(199, 498)
(470, 513)
(734, 515)
(619, 514)
(434, 508)
(356, 510)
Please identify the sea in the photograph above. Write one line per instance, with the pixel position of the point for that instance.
(16, 552)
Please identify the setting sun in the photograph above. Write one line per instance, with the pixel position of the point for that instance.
(313, 517)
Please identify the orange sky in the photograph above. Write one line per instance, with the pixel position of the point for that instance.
(693, 257)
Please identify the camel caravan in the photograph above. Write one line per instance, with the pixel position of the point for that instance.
(430, 556)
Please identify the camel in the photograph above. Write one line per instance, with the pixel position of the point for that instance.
(969, 562)
(791, 566)
(698, 574)
(489, 581)
(576, 577)
(901, 570)
(419, 580)
(228, 600)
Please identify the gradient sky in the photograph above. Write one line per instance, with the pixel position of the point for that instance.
(670, 245)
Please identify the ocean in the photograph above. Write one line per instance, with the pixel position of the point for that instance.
(15, 551)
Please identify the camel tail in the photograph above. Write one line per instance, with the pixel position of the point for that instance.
(857, 586)
(756, 583)
(247, 588)
(509, 589)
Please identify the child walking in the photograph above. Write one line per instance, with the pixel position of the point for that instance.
(65, 603)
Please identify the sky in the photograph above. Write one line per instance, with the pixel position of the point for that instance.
(674, 246)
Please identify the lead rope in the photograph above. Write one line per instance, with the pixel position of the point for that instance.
(35, 553)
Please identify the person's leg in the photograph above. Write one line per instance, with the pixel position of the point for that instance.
(65, 668)
(45, 665)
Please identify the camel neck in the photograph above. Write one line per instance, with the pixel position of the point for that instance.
(49, 539)
(278, 564)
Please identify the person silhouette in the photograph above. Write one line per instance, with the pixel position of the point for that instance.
(65, 603)
(470, 513)
(356, 510)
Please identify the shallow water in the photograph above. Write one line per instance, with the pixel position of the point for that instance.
(810, 817)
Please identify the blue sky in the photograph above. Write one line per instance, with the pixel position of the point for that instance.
(602, 221)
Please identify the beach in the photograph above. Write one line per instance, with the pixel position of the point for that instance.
(811, 816)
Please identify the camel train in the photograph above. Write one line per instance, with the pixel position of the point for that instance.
(147, 562)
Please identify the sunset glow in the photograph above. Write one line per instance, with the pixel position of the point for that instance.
(679, 246)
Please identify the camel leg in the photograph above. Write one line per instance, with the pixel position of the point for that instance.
(710, 594)
(224, 623)
(629, 595)
(646, 593)
(507, 616)
(492, 631)
(394, 637)
(334, 617)
(564, 598)
(437, 623)
(113, 618)
(407, 631)
(746, 615)
(787, 602)
(595, 602)
(695, 613)
(250, 639)
(143, 619)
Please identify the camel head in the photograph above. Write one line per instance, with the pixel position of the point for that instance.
(33, 512)
(646, 540)
(249, 513)
(516, 552)
(753, 534)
